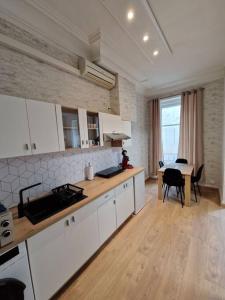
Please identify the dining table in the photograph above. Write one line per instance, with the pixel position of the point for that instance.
(186, 171)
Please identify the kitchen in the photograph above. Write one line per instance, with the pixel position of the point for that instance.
(92, 100)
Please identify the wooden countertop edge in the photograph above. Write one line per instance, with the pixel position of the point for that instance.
(24, 229)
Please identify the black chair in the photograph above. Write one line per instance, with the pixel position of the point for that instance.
(195, 180)
(173, 177)
(181, 161)
(161, 164)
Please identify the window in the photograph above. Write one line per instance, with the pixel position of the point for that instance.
(170, 127)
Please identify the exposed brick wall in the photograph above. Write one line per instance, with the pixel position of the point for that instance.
(213, 114)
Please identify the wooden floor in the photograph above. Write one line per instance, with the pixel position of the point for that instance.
(165, 252)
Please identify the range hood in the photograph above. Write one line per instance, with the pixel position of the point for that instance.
(116, 136)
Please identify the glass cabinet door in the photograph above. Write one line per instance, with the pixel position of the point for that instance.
(93, 129)
(71, 128)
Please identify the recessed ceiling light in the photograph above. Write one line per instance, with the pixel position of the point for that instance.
(145, 37)
(130, 15)
(156, 52)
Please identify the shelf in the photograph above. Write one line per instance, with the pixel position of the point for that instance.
(72, 128)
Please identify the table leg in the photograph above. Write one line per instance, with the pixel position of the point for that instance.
(187, 199)
(160, 182)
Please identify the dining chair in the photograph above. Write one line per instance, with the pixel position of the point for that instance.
(161, 164)
(173, 177)
(195, 180)
(181, 161)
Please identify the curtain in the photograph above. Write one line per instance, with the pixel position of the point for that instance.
(191, 128)
(155, 137)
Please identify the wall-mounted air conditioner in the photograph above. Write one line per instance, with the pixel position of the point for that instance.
(96, 74)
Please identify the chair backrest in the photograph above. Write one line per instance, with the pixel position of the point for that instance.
(172, 177)
(182, 161)
(199, 173)
(161, 164)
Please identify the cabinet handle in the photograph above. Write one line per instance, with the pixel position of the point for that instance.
(114, 201)
(26, 147)
(126, 184)
(87, 142)
(67, 223)
(82, 142)
(73, 219)
(34, 146)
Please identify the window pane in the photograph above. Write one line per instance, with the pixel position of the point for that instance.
(170, 127)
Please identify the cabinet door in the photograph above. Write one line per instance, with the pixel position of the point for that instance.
(111, 123)
(82, 113)
(47, 255)
(59, 120)
(124, 201)
(14, 130)
(43, 127)
(82, 238)
(107, 219)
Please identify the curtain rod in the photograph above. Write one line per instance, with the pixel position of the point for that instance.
(175, 95)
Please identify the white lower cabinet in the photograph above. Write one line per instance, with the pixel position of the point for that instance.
(124, 201)
(106, 216)
(47, 255)
(82, 237)
(57, 252)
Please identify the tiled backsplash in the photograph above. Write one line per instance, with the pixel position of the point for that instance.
(51, 169)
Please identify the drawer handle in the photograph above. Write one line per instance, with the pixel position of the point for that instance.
(114, 201)
(67, 223)
(26, 147)
(73, 219)
(34, 146)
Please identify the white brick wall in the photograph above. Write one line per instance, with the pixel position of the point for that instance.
(213, 108)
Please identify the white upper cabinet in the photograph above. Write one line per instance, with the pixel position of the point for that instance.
(58, 110)
(82, 113)
(110, 123)
(14, 130)
(43, 127)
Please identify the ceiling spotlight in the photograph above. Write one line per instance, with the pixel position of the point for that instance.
(145, 38)
(130, 15)
(156, 52)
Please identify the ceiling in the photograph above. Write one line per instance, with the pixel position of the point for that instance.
(190, 36)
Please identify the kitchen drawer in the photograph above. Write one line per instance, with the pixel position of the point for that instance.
(83, 212)
(123, 186)
(105, 197)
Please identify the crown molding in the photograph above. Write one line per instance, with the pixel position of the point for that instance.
(207, 76)
(59, 19)
(7, 14)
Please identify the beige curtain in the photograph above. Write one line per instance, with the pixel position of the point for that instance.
(155, 137)
(191, 128)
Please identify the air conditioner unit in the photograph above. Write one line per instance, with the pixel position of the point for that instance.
(96, 74)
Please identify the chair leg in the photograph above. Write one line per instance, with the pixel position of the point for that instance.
(199, 189)
(177, 190)
(181, 196)
(195, 192)
(168, 192)
(165, 193)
